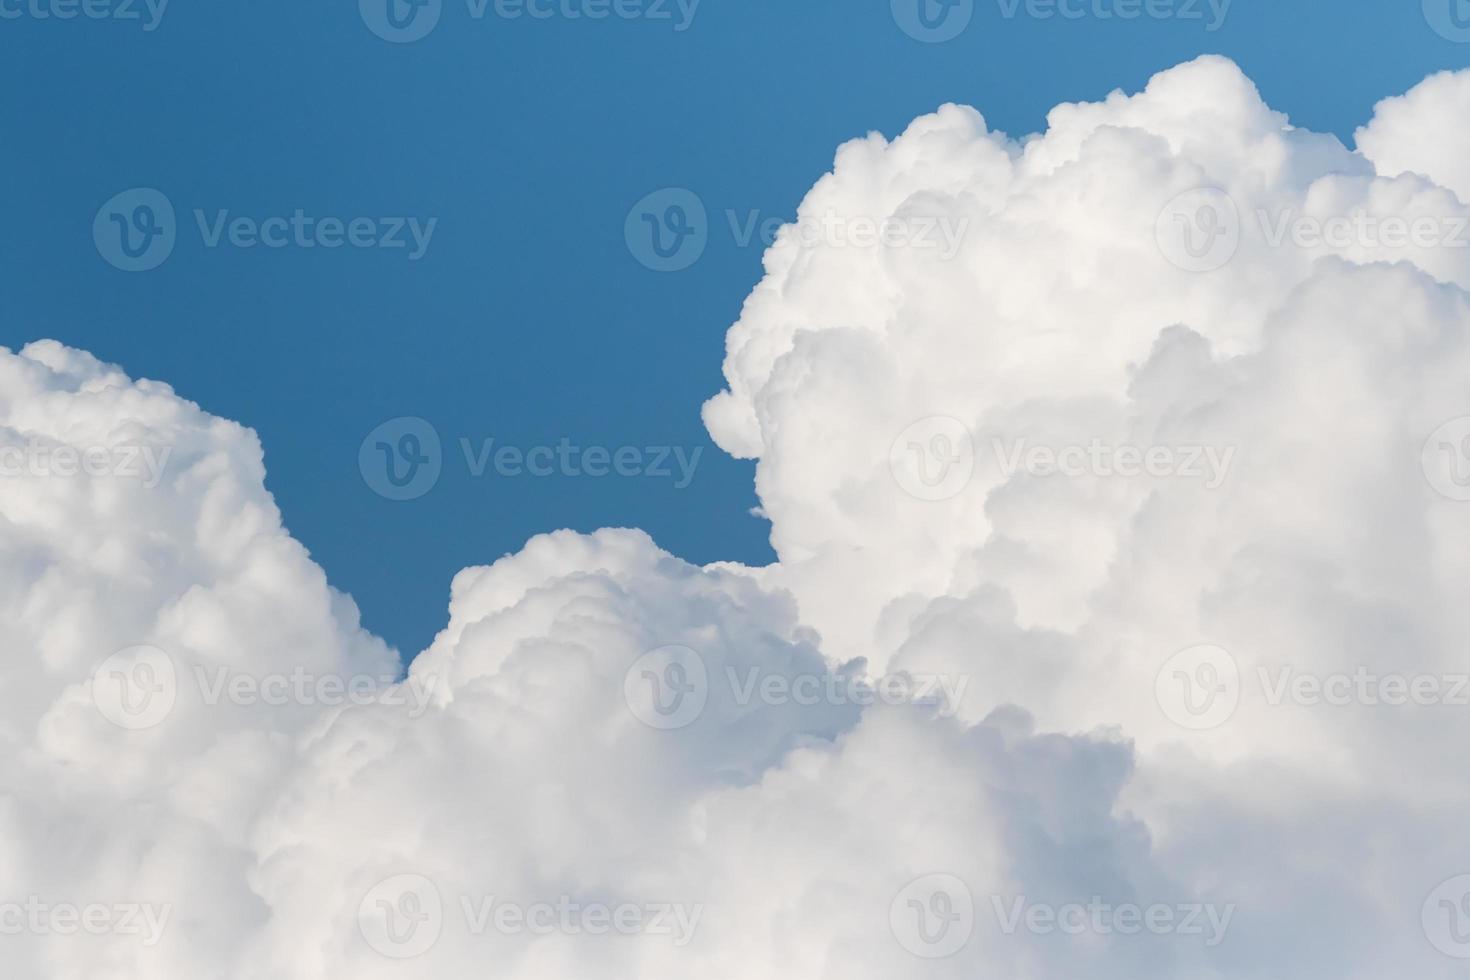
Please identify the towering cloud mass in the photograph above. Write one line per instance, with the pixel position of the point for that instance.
(1118, 628)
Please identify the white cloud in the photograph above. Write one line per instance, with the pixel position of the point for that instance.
(540, 760)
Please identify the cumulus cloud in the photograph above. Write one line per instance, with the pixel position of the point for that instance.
(1115, 629)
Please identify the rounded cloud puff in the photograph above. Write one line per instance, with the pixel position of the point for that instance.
(1118, 491)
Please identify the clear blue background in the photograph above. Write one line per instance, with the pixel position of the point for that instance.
(528, 320)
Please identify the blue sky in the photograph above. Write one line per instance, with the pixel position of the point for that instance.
(520, 314)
